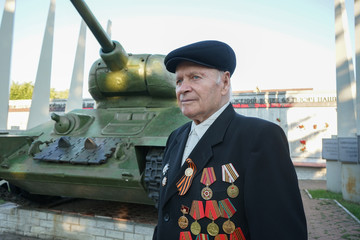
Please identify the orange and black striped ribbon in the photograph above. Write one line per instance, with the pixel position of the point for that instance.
(237, 235)
(229, 173)
(208, 176)
(185, 236)
(227, 209)
(202, 236)
(184, 183)
(212, 210)
(197, 210)
(221, 237)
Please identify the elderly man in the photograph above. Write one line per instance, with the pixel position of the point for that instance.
(225, 176)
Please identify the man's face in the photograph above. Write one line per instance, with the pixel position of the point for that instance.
(201, 91)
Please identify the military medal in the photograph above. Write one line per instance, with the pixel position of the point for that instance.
(227, 210)
(212, 212)
(164, 181)
(185, 236)
(237, 235)
(221, 237)
(183, 221)
(212, 229)
(232, 191)
(207, 178)
(189, 171)
(228, 227)
(165, 169)
(185, 181)
(229, 174)
(195, 228)
(197, 212)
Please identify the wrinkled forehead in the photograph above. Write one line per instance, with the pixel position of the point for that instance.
(186, 68)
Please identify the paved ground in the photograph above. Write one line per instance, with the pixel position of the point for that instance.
(326, 220)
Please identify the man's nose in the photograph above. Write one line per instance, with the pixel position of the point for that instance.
(184, 87)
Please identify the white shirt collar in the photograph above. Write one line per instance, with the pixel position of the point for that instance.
(201, 128)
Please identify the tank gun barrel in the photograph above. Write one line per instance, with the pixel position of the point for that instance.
(111, 52)
(102, 37)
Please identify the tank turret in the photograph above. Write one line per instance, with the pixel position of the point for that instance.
(122, 76)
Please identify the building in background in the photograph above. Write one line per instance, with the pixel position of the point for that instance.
(306, 116)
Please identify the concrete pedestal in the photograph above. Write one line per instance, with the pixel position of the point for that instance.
(350, 175)
(333, 176)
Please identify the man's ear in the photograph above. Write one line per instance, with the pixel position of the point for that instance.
(226, 83)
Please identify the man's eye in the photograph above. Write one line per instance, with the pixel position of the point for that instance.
(196, 77)
(179, 81)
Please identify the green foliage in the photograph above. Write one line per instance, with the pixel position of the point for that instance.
(59, 94)
(352, 207)
(25, 90)
(21, 91)
(321, 193)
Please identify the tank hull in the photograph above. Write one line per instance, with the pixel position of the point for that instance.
(44, 170)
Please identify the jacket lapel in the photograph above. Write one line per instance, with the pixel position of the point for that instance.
(202, 152)
(175, 158)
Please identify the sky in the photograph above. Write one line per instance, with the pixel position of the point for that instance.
(279, 44)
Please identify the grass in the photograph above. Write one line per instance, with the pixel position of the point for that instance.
(1, 201)
(352, 207)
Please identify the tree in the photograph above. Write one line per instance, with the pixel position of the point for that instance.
(59, 94)
(25, 91)
(21, 91)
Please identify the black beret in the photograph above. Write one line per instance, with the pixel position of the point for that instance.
(213, 54)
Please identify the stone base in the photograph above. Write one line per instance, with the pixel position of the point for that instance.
(350, 177)
(333, 182)
(310, 173)
(47, 224)
(310, 168)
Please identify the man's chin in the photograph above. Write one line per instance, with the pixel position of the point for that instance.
(187, 113)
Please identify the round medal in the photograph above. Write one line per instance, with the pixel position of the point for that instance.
(213, 229)
(189, 172)
(228, 227)
(195, 228)
(183, 222)
(206, 193)
(233, 191)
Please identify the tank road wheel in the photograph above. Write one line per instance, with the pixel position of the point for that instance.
(153, 173)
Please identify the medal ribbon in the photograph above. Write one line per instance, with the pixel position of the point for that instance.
(184, 183)
(212, 210)
(185, 236)
(229, 173)
(197, 210)
(208, 176)
(227, 209)
(237, 235)
(221, 237)
(202, 236)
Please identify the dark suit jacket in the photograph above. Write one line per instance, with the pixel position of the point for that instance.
(269, 204)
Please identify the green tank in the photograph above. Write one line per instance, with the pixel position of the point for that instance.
(113, 152)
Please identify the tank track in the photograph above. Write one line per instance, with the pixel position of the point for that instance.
(11, 193)
(153, 173)
(7, 195)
